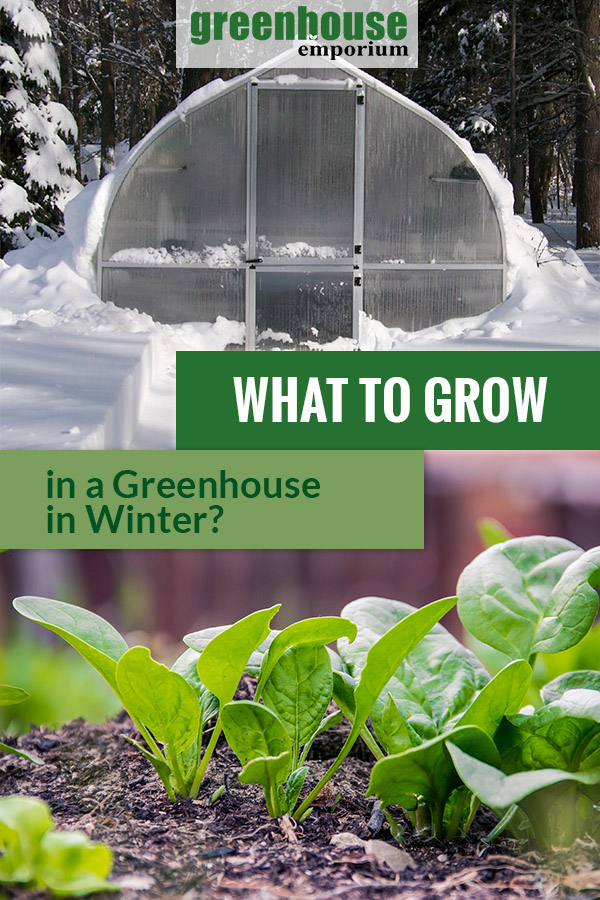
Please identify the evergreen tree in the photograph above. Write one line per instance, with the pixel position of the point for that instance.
(36, 165)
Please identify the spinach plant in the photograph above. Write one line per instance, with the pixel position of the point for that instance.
(10, 695)
(439, 691)
(357, 698)
(34, 855)
(530, 595)
(523, 597)
(170, 707)
(550, 770)
(295, 681)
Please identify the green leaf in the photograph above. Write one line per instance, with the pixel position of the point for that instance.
(383, 659)
(343, 693)
(390, 650)
(10, 695)
(502, 696)
(4, 748)
(72, 866)
(23, 823)
(572, 606)
(159, 698)
(434, 684)
(294, 785)
(253, 731)
(500, 791)
(298, 690)
(563, 734)
(270, 772)
(553, 810)
(506, 596)
(492, 532)
(570, 681)
(394, 730)
(198, 641)
(426, 773)
(186, 665)
(332, 719)
(97, 641)
(309, 633)
(223, 660)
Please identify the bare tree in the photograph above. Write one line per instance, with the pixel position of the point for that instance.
(586, 15)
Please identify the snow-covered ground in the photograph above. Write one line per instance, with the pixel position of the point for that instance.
(80, 373)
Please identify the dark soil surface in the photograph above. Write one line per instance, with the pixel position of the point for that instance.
(95, 781)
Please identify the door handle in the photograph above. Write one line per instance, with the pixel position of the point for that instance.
(254, 262)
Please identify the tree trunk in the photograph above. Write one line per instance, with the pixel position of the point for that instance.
(169, 90)
(135, 130)
(107, 88)
(587, 122)
(541, 160)
(515, 163)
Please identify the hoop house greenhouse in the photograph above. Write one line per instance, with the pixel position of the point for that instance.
(292, 201)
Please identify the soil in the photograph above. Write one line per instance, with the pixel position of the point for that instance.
(95, 781)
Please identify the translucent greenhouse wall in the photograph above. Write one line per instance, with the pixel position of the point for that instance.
(294, 203)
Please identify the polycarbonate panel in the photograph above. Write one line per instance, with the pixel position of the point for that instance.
(315, 306)
(178, 295)
(188, 189)
(413, 300)
(424, 201)
(305, 173)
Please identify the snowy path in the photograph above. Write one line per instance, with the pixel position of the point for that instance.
(64, 390)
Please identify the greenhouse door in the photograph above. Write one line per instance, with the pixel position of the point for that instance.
(305, 202)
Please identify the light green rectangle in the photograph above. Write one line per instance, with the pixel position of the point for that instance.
(365, 499)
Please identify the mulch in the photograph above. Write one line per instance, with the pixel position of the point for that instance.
(95, 781)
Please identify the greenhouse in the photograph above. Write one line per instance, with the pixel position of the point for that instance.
(293, 201)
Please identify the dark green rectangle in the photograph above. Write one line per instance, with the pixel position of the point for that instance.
(207, 412)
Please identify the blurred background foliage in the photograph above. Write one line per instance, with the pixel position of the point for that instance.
(155, 597)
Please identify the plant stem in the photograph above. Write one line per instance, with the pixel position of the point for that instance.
(454, 823)
(437, 821)
(205, 760)
(350, 740)
(504, 821)
(371, 743)
(175, 768)
(272, 798)
(167, 785)
(474, 805)
(423, 819)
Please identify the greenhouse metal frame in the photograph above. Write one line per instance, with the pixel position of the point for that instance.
(309, 277)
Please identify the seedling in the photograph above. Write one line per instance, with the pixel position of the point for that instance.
(272, 741)
(8, 697)
(170, 707)
(521, 596)
(34, 855)
(383, 658)
(550, 765)
(439, 690)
